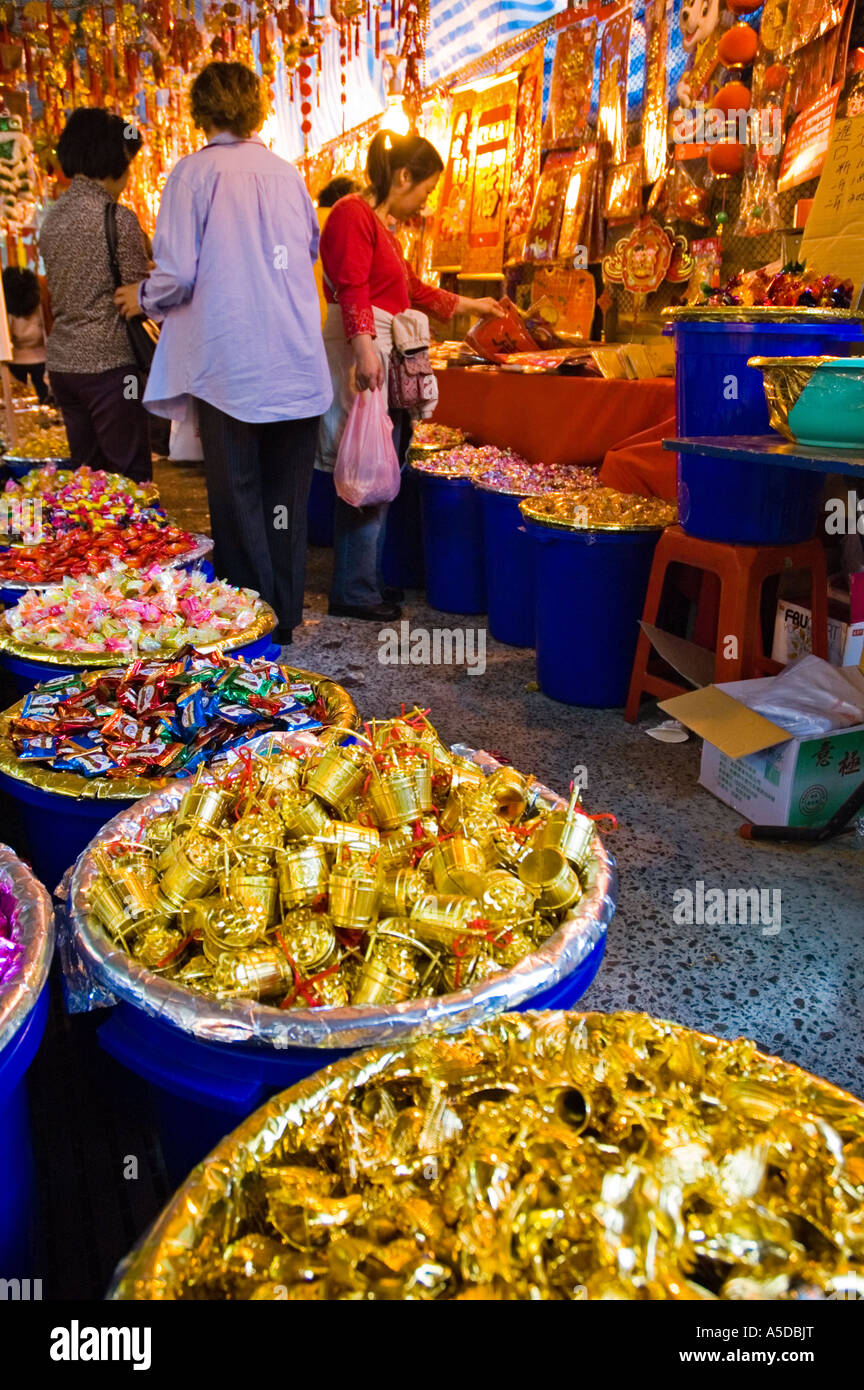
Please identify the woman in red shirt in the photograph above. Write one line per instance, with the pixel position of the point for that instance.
(366, 283)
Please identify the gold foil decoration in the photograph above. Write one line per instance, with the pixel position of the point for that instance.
(612, 110)
(545, 1156)
(784, 379)
(571, 84)
(600, 509)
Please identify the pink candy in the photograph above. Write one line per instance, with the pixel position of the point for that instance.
(532, 479)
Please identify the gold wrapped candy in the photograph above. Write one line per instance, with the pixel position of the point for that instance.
(379, 870)
(545, 1156)
(600, 509)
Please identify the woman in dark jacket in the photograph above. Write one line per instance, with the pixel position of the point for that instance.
(91, 365)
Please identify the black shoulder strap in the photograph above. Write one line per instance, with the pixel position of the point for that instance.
(111, 238)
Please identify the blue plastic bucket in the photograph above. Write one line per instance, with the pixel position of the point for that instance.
(453, 544)
(58, 828)
(716, 393)
(202, 1090)
(26, 673)
(18, 1187)
(320, 507)
(509, 560)
(590, 594)
(402, 561)
(721, 499)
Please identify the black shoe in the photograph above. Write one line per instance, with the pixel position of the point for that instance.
(392, 595)
(375, 613)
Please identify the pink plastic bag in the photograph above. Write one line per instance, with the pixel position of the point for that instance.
(367, 467)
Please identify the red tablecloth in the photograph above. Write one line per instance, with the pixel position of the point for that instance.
(556, 419)
(642, 465)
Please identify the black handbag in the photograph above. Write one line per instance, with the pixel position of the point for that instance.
(143, 333)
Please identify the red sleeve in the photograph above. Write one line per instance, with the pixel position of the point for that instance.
(439, 303)
(347, 247)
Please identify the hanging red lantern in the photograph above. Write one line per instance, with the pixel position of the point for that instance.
(306, 108)
(738, 46)
(726, 159)
(744, 6)
(733, 97)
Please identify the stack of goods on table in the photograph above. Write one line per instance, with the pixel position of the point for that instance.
(82, 746)
(546, 1156)
(26, 946)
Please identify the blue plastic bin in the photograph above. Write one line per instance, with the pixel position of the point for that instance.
(26, 674)
(201, 1091)
(58, 828)
(319, 510)
(590, 594)
(509, 560)
(18, 1187)
(716, 393)
(402, 559)
(453, 544)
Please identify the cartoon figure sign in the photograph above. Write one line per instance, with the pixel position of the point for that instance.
(699, 23)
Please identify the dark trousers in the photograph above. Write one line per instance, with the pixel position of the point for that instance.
(358, 536)
(105, 421)
(258, 480)
(36, 372)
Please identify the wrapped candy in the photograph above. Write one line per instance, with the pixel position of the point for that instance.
(159, 719)
(515, 476)
(790, 287)
(600, 509)
(123, 612)
(546, 1156)
(37, 440)
(383, 869)
(428, 434)
(468, 460)
(11, 945)
(82, 497)
(137, 545)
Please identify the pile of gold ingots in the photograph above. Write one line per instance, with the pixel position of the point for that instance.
(600, 509)
(546, 1156)
(373, 872)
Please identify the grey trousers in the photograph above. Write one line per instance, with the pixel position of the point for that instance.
(258, 480)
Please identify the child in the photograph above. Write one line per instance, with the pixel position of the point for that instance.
(26, 328)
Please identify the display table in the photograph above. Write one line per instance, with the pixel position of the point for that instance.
(773, 450)
(553, 419)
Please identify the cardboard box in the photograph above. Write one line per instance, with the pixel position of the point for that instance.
(759, 769)
(792, 635)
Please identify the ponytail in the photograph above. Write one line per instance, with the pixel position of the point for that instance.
(388, 153)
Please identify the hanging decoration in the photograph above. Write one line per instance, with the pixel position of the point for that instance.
(525, 166)
(548, 210)
(612, 111)
(654, 112)
(450, 232)
(641, 259)
(415, 18)
(572, 79)
(493, 150)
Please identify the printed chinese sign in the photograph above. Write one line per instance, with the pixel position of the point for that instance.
(495, 114)
(454, 204)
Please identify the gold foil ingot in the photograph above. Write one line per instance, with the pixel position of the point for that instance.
(505, 898)
(508, 846)
(156, 948)
(193, 871)
(397, 847)
(395, 800)
(466, 775)
(400, 890)
(108, 908)
(389, 974)
(573, 835)
(547, 873)
(458, 866)
(446, 914)
(422, 773)
(303, 872)
(258, 832)
(354, 897)
(338, 775)
(303, 816)
(363, 839)
(227, 929)
(135, 885)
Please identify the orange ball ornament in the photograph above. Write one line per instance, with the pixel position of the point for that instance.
(733, 97)
(774, 78)
(743, 6)
(726, 160)
(738, 46)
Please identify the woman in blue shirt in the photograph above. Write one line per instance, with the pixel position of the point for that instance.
(235, 245)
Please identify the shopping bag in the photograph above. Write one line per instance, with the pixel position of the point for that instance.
(185, 442)
(367, 467)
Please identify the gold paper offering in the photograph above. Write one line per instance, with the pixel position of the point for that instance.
(600, 509)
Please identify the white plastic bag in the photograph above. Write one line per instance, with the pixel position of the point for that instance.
(810, 697)
(367, 467)
(185, 445)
